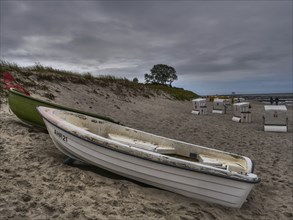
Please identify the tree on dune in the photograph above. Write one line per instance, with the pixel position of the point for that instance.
(161, 74)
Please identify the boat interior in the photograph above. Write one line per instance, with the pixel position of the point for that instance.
(154, 143)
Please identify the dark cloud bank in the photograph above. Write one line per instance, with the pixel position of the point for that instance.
(216, 47)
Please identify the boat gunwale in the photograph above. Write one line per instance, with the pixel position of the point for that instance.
(209, 170)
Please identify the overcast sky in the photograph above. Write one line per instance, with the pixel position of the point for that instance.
(216, 47)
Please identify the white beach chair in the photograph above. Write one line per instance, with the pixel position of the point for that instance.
(241, 112)
(275, 118)
(199, 106)
(220, 106)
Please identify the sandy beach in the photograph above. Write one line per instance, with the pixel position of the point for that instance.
(35, 184)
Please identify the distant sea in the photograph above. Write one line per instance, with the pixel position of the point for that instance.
(284, 98)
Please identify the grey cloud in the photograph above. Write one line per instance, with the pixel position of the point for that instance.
(127, 38)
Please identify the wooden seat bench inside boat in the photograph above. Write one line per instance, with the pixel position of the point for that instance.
(171, 151)
(238, 168)
(164, 146)
(142, 144)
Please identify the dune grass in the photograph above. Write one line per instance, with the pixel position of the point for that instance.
(52, 74)
(176, 93)
(7, 66)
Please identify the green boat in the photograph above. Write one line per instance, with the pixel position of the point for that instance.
(25, 108)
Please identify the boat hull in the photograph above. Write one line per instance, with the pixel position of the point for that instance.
(209, 188)
(25, 108)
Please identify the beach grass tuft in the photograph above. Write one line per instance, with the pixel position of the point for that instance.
(122, 84)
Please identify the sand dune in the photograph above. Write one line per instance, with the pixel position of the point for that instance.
(35, 184)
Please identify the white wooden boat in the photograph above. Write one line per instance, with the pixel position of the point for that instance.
(191, 170)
